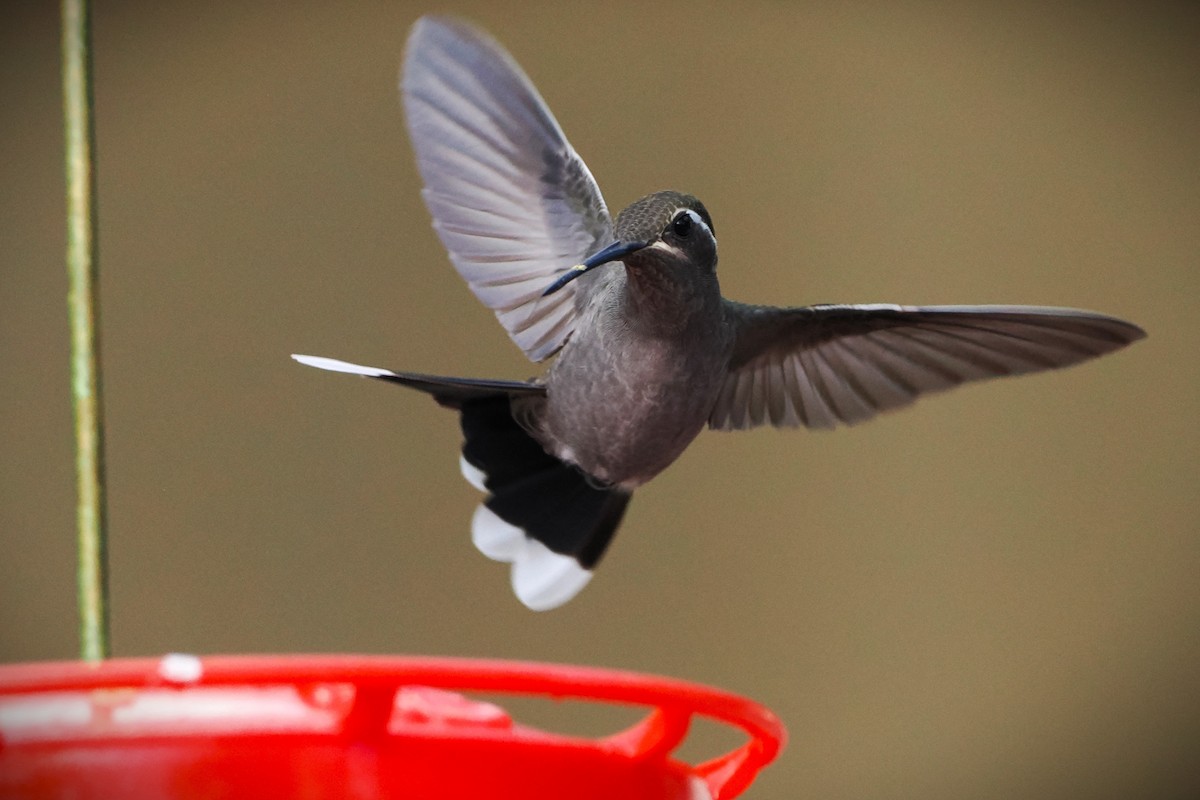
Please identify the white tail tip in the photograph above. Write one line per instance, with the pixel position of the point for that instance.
(541, 578)
(333, 365)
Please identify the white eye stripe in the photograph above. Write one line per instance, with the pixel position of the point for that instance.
(670, 248)
(699, 220)
(696, 218)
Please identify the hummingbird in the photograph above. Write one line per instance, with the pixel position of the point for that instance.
(647, 352)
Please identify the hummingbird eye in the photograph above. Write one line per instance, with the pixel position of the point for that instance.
(682, 224)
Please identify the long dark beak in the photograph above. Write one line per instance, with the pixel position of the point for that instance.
(614, 252)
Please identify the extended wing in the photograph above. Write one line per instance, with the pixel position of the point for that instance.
(820, 366)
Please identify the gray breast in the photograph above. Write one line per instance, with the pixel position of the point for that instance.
(624, 399)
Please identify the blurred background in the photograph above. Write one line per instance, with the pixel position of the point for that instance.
(995, 593)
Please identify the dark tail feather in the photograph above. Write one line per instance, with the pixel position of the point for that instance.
(451, 392)
(544, 516)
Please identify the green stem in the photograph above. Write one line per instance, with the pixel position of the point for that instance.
(82, 265)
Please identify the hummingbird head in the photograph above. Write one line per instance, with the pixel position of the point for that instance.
(669, 229)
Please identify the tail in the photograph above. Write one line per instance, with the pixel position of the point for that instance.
(546, 517)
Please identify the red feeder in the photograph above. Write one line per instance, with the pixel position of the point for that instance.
(353, 727)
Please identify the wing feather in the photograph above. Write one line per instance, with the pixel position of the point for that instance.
(820, 366)
(512, 202)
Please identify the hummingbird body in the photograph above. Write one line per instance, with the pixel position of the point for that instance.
(647, 351)
(635, 383)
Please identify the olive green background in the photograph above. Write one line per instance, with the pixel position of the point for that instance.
(993, 594)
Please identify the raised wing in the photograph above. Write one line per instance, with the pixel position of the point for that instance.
(511, 200)
(819, 366)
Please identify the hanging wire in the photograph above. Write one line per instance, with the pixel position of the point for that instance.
(82, 266)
